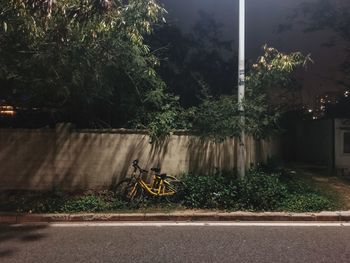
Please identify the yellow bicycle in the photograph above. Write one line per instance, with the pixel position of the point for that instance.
(134, 189)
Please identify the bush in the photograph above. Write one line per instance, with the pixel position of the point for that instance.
(309, 202)
(30, 201)
(261, 191)
(89, 203)
(215, 191)
(54, 202)
(46, 205)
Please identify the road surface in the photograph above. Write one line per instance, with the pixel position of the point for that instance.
(175, 243)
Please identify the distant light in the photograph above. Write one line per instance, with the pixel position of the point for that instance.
(7, 110)
(314, 118)
(310, 110)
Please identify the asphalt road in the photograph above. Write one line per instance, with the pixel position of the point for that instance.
(175, 244)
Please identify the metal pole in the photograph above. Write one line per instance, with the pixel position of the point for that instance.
(241, 158)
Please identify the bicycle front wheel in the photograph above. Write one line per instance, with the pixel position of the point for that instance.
(172, 184)
(128, 190)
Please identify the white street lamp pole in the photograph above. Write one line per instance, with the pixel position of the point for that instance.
(241, 158)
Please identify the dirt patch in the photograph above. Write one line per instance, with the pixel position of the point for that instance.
(338, 186)
(343, 189)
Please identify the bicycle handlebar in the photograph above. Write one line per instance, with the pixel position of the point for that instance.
(135, 164)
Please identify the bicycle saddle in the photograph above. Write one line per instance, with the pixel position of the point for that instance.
(161, 176)
(156, 170)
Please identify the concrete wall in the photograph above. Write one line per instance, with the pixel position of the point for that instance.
(70, 159)
(342, 160)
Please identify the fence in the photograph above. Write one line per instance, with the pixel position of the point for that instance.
(95, 159)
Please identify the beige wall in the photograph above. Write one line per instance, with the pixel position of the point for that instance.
(342, 160)
(70, 159)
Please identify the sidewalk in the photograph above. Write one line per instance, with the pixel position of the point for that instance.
(183, 216)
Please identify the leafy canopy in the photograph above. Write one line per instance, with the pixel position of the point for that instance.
(219, 118)
(84, 59)
(328, 15)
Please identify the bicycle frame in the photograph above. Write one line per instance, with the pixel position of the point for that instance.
(157, 187)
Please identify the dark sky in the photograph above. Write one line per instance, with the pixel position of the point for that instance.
(263, 20)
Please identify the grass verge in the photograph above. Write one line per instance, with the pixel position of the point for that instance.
(263, 190)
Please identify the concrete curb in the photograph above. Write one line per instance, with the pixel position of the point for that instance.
(341, 216)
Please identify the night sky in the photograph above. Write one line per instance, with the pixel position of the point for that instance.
(264, 20)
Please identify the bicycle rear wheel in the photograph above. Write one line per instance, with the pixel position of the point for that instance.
(128, 190)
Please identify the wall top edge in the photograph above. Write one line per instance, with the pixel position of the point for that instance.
(99, 131)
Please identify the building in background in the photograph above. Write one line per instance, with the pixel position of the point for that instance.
(342, 145)
(324, 143)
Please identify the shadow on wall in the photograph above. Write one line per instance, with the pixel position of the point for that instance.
(76, 160)
(208, 157)
(71, 160)
(26, 157)
(98, 160)
(149, 155)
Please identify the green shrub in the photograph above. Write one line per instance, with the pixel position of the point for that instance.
(215, 191)
(117, 204)
(31, 201)
(298, 185)
(307, 202)
(88, 203)
(261, 191)
(47, 205)
(264, 189)
(51, 202)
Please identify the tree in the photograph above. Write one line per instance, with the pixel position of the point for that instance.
(327, 15)
(85, 61)
(196, 61)
(219, 118)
